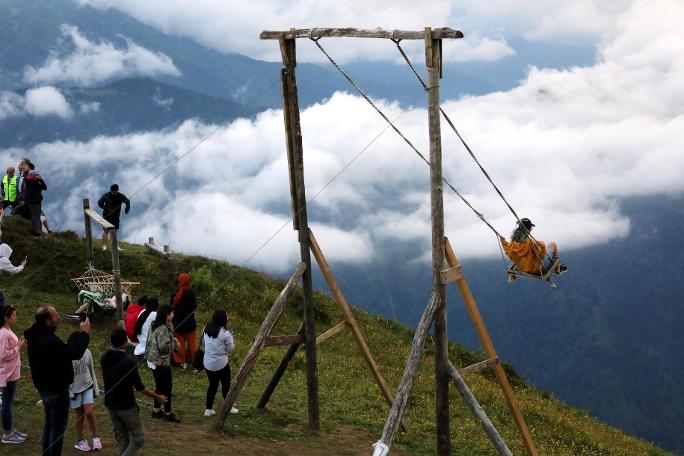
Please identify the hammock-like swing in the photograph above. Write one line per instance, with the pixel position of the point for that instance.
(96, 288)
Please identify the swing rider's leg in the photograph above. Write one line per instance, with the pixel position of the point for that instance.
(552, 252)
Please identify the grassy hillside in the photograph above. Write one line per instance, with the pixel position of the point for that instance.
(352, 410)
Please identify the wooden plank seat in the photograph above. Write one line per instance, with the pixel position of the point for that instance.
(546, 275)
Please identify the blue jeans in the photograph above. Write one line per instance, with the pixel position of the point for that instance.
(56, 406)
(7, 400)
(548, 260)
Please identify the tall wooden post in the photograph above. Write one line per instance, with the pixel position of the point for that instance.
(116, 271)
(295, 151)
(433, 57)
(88, 232)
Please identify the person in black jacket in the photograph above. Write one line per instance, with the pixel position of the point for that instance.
(111, 203)
(121, 378)
(52, 372)
(33, 197)
(184, 304)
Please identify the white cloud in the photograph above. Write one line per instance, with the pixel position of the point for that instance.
(233, 26)
(89, 107)
(46, 101)
(564, 147)
(11, 105)
(87, 63)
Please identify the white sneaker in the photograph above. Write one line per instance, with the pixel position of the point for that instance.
(119, 249)
(104, 247)
(209, 412)
(233, 411)
(82, 445)
(97, 444)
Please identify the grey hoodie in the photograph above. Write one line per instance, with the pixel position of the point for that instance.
(84, 375)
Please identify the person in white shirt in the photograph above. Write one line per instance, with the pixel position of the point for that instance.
(5, 263)
(218, 342)
(142, 325)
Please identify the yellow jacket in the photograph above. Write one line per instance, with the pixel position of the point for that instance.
(524, 256)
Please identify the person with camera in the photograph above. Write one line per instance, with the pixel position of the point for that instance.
(52, 371)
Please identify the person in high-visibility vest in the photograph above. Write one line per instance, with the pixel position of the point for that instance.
(9, 191)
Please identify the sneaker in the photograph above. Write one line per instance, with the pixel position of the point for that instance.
(184, 366)
(104, 247)
(97, 445)
(82, 445)
(171, 418)
(73, 316)
(234, 411)
(13, 438)
(562, 268)
(23, 435)
(209, 412)
(119, 249)
(158, 414)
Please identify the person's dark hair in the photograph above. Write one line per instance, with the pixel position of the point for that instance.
(118, 337)
(7, 312)
(114, 187)
(43, 315)
(151, 305)
(522, 230)
(218, 320)
(31, 166)
(162, 312)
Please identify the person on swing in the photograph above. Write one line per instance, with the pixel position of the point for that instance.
(529, 255)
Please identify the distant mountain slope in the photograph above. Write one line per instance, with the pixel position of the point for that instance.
(608, 339)
(125, 106)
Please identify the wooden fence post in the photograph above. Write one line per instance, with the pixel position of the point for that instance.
(88, 232)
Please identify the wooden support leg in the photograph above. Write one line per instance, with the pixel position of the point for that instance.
(259, 341)
(499, 372)
(279, 372)
(348, 316)
(389, 432)
(474, 406)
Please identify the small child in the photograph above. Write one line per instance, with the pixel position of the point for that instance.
(83, 392)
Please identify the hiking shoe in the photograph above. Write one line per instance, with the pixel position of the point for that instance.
(97, 445)
(171, 418)
(158, 414)
(234, 411)
(82, 445)
(562, 268)
(209, 412)
(12, 438)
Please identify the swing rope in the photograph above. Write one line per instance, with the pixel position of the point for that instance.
(394, 127)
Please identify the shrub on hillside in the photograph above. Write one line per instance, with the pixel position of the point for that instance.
(203, 282)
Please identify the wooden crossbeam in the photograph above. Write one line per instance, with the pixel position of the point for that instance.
(284, 340)
(477, 367)
(259, 341)
(437, 33)
(331, 332)
(99, 219)
(450, 275)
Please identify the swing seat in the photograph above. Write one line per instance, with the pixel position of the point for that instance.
(514, 273)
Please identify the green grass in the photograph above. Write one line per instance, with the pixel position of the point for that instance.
(348, 396)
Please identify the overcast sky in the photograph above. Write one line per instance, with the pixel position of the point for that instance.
(564, 146)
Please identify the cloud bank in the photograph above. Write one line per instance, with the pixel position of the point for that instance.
(38, 102)
(565, 146)
(82, 62)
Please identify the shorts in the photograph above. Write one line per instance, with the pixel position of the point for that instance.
(113, 221)
(80, 399)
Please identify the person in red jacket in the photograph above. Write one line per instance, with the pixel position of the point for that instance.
(133, 311)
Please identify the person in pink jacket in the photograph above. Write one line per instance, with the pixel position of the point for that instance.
(10, 365)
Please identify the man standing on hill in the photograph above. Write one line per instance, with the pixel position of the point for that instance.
(111, 203)
(52, 372)
(10, 191)
(121, 378)
(33, 196)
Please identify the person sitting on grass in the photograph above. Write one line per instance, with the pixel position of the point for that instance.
(121, 379)
(529, 255)
(5, 263)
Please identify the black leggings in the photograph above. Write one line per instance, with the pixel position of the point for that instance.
(163, 385)
(215, 377)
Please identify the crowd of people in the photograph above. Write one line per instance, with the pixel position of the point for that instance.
(22, 195)
(64, 373)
